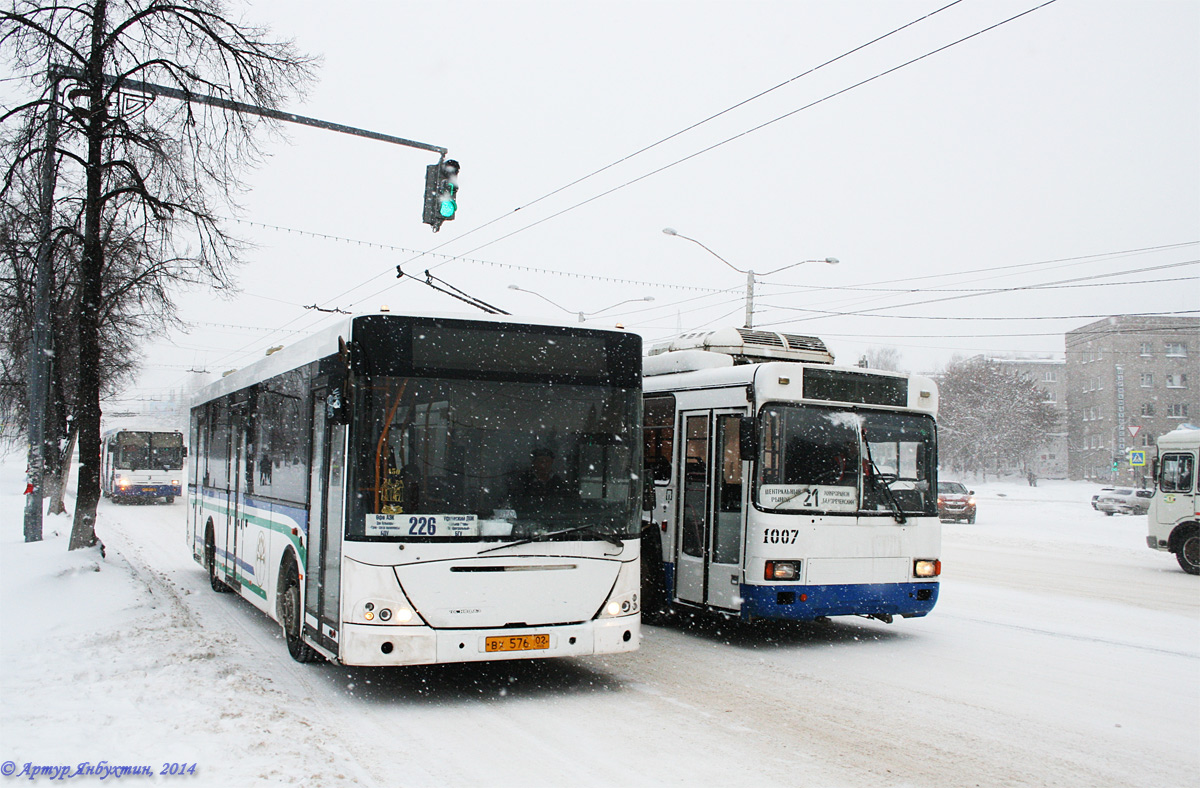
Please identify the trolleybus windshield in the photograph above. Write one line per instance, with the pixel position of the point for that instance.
(455, 459)
(813, 459)
(149, 450)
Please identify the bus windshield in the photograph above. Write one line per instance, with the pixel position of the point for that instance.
(463, 459)
(149, 450)
(818, 459)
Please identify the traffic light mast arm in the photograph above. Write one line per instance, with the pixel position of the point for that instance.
(237, 106)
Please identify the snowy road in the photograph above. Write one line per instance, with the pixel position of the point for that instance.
(1062, 653)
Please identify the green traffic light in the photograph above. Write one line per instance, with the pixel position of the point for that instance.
(447, 209)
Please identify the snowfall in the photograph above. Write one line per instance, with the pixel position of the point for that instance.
(1062, 652)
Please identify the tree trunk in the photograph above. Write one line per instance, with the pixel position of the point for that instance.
(91, 269)
(56, 497)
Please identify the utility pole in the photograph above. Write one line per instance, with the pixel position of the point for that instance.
(750, 298)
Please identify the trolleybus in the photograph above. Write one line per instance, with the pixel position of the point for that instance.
(403, 490)
(785, 487)
(141, 465)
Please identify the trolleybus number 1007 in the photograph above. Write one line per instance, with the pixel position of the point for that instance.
(780, 535)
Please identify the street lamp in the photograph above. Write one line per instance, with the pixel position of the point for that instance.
(748, 272)
(581, 315)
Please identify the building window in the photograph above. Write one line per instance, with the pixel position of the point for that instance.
(1147, 380)
(1146, 348)
(1177, 411)
(1051, 397)
(1177, 381)
(1050, 376)
(1178, 349)
(1148, 409)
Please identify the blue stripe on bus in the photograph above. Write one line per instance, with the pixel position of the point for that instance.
(296, 513)
(857, 599)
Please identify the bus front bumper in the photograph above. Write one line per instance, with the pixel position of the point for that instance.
(365, 644)
(805, 603)
(148, 490)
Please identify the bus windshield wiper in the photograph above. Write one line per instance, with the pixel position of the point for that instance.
(589, 529)
(881, 486)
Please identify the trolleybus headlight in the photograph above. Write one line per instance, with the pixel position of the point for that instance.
(927, 567)
(782, 570)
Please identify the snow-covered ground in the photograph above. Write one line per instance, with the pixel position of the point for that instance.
(1062, 652)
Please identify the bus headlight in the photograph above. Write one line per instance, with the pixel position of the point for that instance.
(927, 567)
(782, 570)
(373, 595)
(122, 481)
(624, 599)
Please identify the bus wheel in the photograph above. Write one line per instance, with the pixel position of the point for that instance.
(210, 562)
(1189, 552)
(170, 499)
(289, 614)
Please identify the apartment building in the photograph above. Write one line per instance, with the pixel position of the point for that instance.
(1129, 379)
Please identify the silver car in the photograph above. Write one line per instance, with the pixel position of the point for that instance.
(1124, 500)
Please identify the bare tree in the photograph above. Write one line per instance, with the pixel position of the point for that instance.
(152, 177)
(883, 357)
(989, 416)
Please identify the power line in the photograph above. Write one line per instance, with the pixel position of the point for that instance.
(761, 126)
(451, 258)
(823, 312)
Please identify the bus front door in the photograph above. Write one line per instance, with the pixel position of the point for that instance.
(711, 506)
(322, 576)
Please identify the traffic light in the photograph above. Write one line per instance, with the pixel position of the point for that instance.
(441, 193)
(1116, 463)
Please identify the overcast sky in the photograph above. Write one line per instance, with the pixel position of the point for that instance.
(1057, 146)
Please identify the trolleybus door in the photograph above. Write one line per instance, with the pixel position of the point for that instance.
(325, 520)
(709, 548)
(235, 523)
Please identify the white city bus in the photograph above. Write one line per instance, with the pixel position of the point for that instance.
(402, 490)
(141, 465)
(785, 487)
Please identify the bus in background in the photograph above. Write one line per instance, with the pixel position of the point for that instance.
(400, 490)
(785, 487)
(1174, 516)
(141, 464)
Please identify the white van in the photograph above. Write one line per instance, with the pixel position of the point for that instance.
(1174, 520)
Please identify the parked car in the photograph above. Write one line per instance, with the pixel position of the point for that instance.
(1124, 500)
(955, 502)
(1096, 497)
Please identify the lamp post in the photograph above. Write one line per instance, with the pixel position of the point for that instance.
(581, 315)
(750, 274)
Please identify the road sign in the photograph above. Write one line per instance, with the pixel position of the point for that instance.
(1133, 431)
(1137, 459)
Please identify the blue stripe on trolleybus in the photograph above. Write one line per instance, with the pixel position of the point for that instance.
(804, 603)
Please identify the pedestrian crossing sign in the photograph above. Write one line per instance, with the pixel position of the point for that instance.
(1137, 459)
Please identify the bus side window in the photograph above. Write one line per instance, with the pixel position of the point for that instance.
(1176, 473)
(658, 437)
